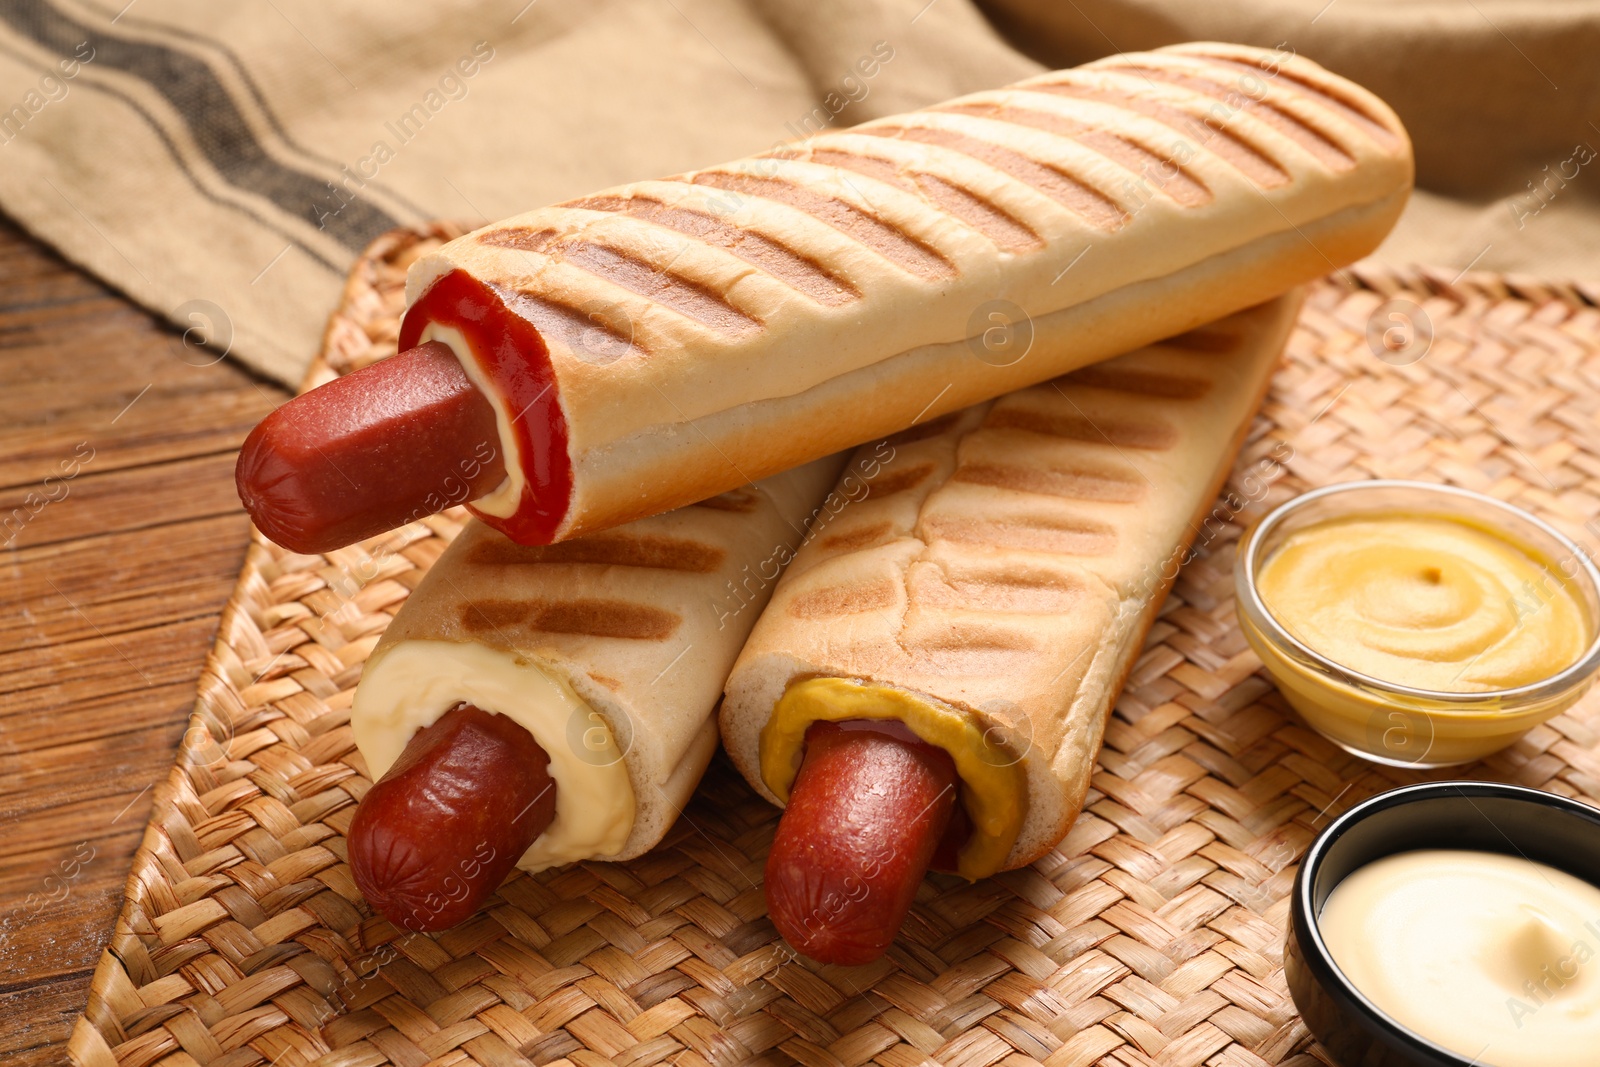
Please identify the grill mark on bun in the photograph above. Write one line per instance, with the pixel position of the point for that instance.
(975, 642)
(898, 480)
(898, 247)
(978, 637)
(1066, 189)
(1003, 229)
(1298, 130)
(604, 618)
(860, 537)
(612, 550)
(798, 271)
(482, 616)
(1212, 135)
(1070, 483)
(1163, 172)
(1041, 533)
(1149, 435)
(982, 215)
(686, 296)
(1001, 594)
(1351, 110)
(521, 238)
(681, 294)
(588, 616)
(595, 332)
(844, 600)
(1140, 382)
(963, 660)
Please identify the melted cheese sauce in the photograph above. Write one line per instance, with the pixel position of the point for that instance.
(1491, 956)
(416, 682)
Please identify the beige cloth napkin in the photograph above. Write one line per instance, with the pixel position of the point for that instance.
(1501, 97)
(223, 163)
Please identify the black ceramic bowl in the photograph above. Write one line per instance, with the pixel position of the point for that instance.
(1481, 816)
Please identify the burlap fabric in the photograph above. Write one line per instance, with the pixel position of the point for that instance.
(224, 163)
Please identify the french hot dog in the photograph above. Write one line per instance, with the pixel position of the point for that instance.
(663, 341)
(536, 706)
(986, 595)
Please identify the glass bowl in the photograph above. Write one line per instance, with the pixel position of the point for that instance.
(1396, 724)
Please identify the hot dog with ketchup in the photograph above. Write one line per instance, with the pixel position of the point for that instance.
(930, 683)
(536, 706)
(664, 341)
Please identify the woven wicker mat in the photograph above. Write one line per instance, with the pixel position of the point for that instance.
(1152, 935)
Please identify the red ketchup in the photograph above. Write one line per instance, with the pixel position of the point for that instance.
(513, 357)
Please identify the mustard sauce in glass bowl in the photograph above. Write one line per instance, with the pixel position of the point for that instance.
(1418, 625)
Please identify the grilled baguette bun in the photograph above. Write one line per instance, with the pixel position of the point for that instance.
(1002, 568)
(712, 328)
(611, 650)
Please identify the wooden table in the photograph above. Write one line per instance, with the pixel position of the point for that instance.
(112, 585)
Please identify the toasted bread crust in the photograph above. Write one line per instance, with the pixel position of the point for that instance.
(642, 622)
(1010, 564)
(724, 324)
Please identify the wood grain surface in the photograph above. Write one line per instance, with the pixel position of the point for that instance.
(115, 570)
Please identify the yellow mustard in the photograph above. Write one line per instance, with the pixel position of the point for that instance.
(994, 788)
(1425, 601)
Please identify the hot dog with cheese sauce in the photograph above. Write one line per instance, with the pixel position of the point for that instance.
(537, 706)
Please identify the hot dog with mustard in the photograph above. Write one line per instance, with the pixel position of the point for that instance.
(931, 680)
